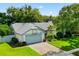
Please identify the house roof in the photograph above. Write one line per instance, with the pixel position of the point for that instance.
(21, 28)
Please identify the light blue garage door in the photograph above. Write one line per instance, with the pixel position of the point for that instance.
(33, 38)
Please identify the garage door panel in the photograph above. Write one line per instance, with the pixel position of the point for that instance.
(34, 38)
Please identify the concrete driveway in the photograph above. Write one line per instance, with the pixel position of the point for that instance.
(43, 48)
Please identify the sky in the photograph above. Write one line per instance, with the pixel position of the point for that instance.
(44, 8)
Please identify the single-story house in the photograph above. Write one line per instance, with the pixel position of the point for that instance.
(31, 32)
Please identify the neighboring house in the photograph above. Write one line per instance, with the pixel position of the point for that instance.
(31, 32)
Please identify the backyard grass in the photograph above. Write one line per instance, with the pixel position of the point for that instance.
(67, 44)
(6, 50)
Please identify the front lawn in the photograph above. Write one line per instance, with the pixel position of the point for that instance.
(67, 44)
(6, 50)
(59, 43)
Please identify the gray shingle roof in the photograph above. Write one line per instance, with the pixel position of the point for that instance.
(21, 28)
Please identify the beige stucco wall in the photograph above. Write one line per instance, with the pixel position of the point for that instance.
(19, 37)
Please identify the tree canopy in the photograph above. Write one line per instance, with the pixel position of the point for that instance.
(69, 18)
(24, 14)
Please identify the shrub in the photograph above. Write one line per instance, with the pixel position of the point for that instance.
(23, 43)
(68, 34)
(59, 35)
(14, 40)
(19, 44)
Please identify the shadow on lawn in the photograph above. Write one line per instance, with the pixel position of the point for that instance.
(19, 44)
(67, 48)
(13, 45)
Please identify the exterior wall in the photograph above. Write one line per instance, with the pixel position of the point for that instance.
(20, 37)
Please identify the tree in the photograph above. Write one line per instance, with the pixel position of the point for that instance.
(3, 18)
(24, 14)
(5, 30)
(69, 18)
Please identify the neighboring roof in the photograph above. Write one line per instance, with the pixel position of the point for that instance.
(21, 28)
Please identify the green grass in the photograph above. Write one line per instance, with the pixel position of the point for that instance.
(6, 50)
(67, 44)
(59, 43)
